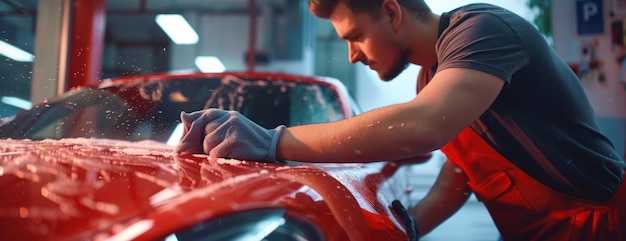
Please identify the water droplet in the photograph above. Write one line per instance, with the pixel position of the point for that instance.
(23, 212)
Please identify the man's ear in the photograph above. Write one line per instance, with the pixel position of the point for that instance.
(392, 12)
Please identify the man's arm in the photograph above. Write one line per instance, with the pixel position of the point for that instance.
(453, 99)
(449, 192)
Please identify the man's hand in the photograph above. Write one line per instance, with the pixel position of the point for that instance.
(227, 134)
(412, 229)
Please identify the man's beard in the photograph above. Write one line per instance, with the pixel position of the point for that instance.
(397, 67)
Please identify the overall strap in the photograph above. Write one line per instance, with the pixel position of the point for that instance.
(516, 132)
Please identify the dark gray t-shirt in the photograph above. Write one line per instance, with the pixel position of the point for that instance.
(557, 140)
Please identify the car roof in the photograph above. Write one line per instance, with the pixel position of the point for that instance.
(73, 188)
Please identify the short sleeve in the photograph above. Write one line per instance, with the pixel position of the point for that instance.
(481, 41)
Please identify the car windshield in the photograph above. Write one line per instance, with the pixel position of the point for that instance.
(150, 109)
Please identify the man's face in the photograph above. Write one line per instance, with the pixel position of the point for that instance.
(371, 41)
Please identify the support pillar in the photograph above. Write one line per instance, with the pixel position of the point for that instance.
(51, 48)
(251, 54)
(86, 42)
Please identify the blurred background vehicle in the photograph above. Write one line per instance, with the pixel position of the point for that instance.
(97, 163)
(148, 107)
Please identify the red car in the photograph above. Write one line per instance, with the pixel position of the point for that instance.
(97, 163)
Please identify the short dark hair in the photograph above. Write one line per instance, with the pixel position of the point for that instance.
(324, 8)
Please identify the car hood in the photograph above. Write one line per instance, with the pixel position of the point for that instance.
(78, 188)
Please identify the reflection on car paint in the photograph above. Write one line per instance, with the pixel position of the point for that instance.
(74, 182)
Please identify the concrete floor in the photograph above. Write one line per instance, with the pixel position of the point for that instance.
(471, 223)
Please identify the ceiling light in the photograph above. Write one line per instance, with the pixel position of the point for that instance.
(17, 102)
(15, 53)
(209, 64)
(177, 28)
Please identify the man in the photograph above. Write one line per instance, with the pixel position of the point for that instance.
(509, 114)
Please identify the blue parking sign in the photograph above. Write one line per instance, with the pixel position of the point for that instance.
(589, 17)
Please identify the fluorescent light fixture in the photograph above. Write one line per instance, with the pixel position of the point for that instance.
(17, 102)
(177, 28)
(210, 64)
(15, 53)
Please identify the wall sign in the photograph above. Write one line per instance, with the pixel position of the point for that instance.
(589, 17)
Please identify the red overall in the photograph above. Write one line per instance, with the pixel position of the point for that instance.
(524, 209)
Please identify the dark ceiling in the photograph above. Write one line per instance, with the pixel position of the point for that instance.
(137, 16)
(132, 21)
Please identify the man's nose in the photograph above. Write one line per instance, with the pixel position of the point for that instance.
(354, 53)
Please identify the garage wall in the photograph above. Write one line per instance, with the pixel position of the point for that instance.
(589, 35)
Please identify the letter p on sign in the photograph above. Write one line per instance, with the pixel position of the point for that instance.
(590, 17)
(589, 10)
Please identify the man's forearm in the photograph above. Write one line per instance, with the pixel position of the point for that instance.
(381, 134)
(446, 196)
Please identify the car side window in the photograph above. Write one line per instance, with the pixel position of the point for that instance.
(81, 113)
(262, 224)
